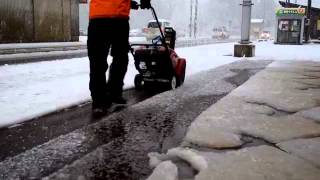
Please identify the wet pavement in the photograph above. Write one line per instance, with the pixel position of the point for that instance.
(21, 137)
(268, 128)
(117, 146)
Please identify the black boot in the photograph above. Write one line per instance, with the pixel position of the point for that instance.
(119, 100)
(100, 109)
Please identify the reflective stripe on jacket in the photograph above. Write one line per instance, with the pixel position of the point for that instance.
(109, 8)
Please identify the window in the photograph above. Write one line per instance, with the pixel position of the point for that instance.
(83, 1)
(295, 26)
(167, 24)
(154, 25)
(284, 25)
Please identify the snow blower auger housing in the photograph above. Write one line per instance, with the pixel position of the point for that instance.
(157, 62)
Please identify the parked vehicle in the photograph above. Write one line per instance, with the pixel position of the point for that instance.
(264, 36)
(220, 33)
(152, 29)
(136, 33)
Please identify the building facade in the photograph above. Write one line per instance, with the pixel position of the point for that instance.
(314, 21)
(39, 21)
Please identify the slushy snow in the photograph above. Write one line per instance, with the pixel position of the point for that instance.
(165, 171)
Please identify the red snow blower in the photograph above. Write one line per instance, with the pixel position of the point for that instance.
(157, 62)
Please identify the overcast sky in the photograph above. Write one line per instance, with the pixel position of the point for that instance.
(212, 13)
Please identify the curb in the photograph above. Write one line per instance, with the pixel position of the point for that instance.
(41, 56)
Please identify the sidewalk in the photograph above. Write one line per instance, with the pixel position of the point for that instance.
(16, 48)
(35, 52)
(268, 128)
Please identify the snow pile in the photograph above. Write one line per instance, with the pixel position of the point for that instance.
(165, 171)
(190, 156)
(155, 159)
(160, 161)
(202, 134)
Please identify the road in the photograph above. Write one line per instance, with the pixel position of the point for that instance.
(70, 145)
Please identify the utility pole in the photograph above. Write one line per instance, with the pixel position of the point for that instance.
(246, 21)
(308, 28)
(264, 14)
(195, 20)
(245, 48)
(191, 18)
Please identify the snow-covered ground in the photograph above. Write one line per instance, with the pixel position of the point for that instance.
(31, 90)
(267, 50)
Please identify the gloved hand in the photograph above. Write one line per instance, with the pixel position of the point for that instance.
(145, 4)
(134, 5)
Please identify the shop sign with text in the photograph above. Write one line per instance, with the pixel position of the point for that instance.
(291, 11)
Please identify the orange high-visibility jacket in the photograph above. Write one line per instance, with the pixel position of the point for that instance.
(109, 8)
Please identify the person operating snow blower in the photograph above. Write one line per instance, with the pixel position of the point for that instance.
(109, 29)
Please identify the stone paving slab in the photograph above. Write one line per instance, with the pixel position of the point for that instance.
(312, 114)
(222, 125)
(307, 149)
(257, 163)
(284, 86)
(266, 107)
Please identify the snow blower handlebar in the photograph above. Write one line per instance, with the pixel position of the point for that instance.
(163, 40)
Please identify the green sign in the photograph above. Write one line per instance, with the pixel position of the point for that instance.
(291, 11)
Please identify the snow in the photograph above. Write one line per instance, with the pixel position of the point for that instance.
(84, 39)
(268, 50)
(31, 90)
(165, 171)
(189, 155)
(162, 162)
(155, 159)
(206, 57)
(41, 45)
(257, 20)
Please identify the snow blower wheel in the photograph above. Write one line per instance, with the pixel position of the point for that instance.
(181, 71)
(138, 81)
(173, 84)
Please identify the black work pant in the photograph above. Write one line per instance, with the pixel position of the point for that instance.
(103, 35)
